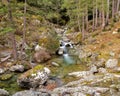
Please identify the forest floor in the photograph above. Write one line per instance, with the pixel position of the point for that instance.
(105, 42)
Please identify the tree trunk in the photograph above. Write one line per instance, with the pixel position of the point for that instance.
(103, 16)
(24, 32)
(83, 28)
(107, 15)
(113, 7)
(93, 23)
(86, 18)
(118, 5)
(12, 36)
(96, 17)
(78, 15)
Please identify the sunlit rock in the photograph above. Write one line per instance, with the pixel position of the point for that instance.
(102, 70)
(34, 78)
(111, 63)
(31, 93)
(4, 92)
(18, 68)
(2, 70)
(55, 64)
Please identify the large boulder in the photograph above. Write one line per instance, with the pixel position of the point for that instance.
(31, 93)
(111, 63)
(34, 77)
(41, 56)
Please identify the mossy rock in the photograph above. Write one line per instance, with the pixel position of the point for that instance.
(6, 77)
(32, 71)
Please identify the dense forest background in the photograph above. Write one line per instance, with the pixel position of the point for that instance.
(77, 15)
(65, 47)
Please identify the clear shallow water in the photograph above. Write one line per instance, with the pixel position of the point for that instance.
(66, 64)
(68, 59)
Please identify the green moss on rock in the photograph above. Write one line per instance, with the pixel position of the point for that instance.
(32, 71)
(6, 76)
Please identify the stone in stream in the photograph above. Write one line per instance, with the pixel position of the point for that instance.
(34, 77)
(55, 64)
(18, 68)
(111, 63)
(4, 92)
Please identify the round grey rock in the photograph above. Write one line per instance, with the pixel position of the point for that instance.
(4, 92)
(111, 63)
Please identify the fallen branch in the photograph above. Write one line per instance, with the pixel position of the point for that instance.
(5, 59)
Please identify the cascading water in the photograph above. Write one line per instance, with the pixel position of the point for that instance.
(65, 47)
(68, 59)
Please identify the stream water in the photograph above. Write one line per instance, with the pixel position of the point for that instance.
(67, 63)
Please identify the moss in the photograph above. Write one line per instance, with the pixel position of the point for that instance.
(11, 85)
(32, 71)
(42, 29)
(36, 68)
(3, 85)
(6, 76)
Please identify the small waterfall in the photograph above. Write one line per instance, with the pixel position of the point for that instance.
(66, 46)
(68, 59)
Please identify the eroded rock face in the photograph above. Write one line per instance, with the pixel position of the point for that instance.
(31, 93)
(34, 78)
(41, 56)
(111, 63)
